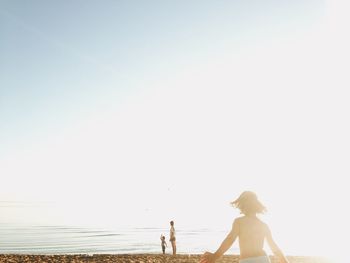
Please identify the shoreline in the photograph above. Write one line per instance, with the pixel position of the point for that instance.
(138, 258)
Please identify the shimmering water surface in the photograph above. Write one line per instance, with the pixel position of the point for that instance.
(76, 240)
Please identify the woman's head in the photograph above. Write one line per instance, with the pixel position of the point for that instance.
(248, 203)
(171, 223)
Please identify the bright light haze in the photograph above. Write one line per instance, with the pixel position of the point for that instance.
(148, 111)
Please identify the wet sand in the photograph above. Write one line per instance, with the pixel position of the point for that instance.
(136, 258)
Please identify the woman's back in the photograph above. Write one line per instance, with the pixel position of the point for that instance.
(251, 233)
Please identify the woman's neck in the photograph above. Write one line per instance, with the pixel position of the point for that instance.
(251, 215)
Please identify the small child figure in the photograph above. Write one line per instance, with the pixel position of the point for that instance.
(163, 243)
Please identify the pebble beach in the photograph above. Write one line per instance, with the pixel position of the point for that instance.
(136, 258)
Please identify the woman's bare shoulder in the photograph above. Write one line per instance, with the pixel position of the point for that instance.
(239, 219)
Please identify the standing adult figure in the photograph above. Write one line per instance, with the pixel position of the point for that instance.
(172, 237)
(251, 232)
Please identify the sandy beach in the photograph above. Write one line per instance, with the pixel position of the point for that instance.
(137, 258)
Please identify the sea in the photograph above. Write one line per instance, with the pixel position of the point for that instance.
(28, 227)
(32, 228)
(61, 239)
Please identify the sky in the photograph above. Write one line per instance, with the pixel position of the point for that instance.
(154, 110)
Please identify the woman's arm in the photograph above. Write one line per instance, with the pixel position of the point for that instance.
(225, 245)
(275, 249)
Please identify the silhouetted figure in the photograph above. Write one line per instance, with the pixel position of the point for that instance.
(251, 231)
(163, 243)
(172, 237)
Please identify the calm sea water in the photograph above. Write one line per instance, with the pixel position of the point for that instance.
(88, 240)
(21, 233)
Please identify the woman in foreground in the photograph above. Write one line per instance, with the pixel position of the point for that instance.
(251, 232)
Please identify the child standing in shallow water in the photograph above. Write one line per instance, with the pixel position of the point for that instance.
(251, 231)
(163, 243)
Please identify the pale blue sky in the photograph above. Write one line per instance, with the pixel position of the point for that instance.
(174, 107)
(63, 59)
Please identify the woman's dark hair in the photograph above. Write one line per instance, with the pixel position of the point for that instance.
(248, 203)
